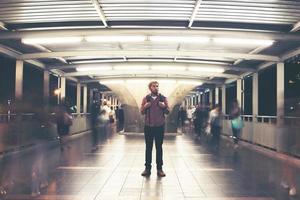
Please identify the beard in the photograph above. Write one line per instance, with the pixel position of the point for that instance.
(154, 92)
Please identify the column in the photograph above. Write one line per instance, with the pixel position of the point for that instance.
(239, 91)
(85, 99)
(46, 90)
(211, 97)
(216, 95)
(78, 97)
(19, 80)
(91, 96)
(224, 99)
(280, 93)
(62, 88)
(255, 96)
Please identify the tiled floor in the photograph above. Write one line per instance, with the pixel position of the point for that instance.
(194, 172)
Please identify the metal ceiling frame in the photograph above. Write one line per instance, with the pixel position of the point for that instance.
(146, 53)
(173, 64)
(135, 31)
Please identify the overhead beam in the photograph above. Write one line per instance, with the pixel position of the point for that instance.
(265, 65)
(173, 64)
(290, 54)
(255, 51)
(296, 27)
(100, 12)
(148, 73)
(168, 32)
(150, 53)
(97, 79)
(194, 14)
(2, 26)
(16, 55)
(9, 52)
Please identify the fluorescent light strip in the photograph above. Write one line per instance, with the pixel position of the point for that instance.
(179, 39)
(55, 40)
(167, 68)
(189, 82)
(206, 69)
(96, 61)
(134, 81)
(238, 41)
(202, 61)
(131, 68)
(108, 82)
(93, 69)
(116, 38)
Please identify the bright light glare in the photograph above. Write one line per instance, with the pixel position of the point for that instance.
(116, 38)
(57, 91)
(96, 61)
(86, 69)
(206, 69)
(135, 81)
(56, 40)
(108, 82)
(238, 41)
(189, 82)
(167, 81)
(167, 68)
(179, 39)
(131, 68)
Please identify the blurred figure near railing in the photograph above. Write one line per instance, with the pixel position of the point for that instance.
(215, 124)
(200, 122)
(63, 122)
(236, 122)
(95, 110)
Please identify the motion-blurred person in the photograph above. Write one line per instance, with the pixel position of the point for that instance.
(95, 109)
(121, 118)
(64, 120)
(288, 179)
(154, 107)
(190, 112)
(182, 117)
(236, 122)
(215, 123)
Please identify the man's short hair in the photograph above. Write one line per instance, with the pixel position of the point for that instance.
(152, 83)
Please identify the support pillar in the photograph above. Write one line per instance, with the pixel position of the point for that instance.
(19, 80)
(62, 88)
(85, 99)
(224, 99)
(255, 96)
(239, 91)
(78, 97)
(216, 95)
(46, 90)
(280, 94)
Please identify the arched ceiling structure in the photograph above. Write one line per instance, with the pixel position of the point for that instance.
(204, 40)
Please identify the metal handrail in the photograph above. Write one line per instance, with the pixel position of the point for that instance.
(264, 116)
(291, 117)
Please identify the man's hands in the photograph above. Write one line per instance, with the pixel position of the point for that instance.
(147, 105)
(162, 104)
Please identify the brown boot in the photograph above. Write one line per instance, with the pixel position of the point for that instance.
(146, 172)
(160, 173)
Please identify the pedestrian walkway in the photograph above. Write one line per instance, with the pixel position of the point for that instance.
(193, 173)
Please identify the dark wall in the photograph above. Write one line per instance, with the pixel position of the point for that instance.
(292, 89)
(32, 85)
(248, 89)
(230, 95)
(7, 79)
(267, 95)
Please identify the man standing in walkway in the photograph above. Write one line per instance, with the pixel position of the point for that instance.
(154, 107)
